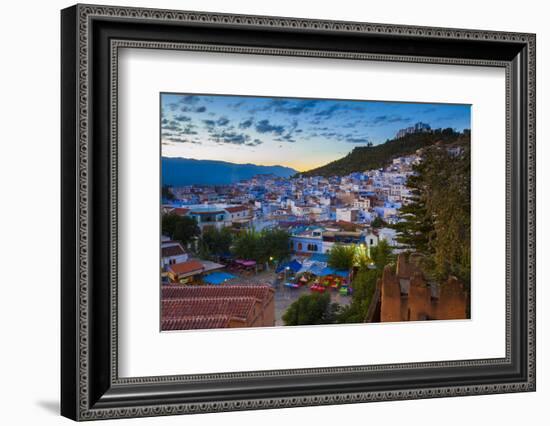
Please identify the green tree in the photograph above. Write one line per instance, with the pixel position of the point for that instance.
(247, 245)
(362, 259)
(437, 222)
(180, 228)
(262, 246)
(378, 222)
(216, 241)
(364, 285)
(341, 257)
(311, 309)
(381, 255)
(167, 193)
(276, 244)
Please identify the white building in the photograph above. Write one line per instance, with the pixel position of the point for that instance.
(346, 214)
(388, 234)
(171, 253)
(239, 213)
(362, 203)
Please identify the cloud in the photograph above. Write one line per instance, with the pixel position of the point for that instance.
(286, 138)
(293, 107)
(188, 130)
(357, 140)
(179, 139)
(170, 125)
(388, 119)
(189, 99)
(230, 137)
(189, 108)
(246, 123)
(182, 118)
(237, 105)
(222, 121)
(328, 112)
(351, 124)
(255, 142)
(209, 123)
(264, 126)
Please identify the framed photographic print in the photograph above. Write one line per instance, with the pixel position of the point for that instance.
(263, 212)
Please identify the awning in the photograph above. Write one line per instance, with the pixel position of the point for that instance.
(245, 262)
(293, 266)
(319, 257)
(331, 271)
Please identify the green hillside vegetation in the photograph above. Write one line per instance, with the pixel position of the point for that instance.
(375, 157)
(436, 223)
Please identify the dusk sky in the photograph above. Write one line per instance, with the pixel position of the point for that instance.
(298, 133)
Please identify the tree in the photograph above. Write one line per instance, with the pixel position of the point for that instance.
(378, 222)
(362, 260)
(341, 257)
(167, 193)
(364, 285)
(381, 255)
(215, 241)
(247, 246)
(262, 246)
(311, 309)
(180, 228)
(437, 222)
(276, 244)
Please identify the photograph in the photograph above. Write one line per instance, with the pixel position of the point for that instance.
(270, 207)
(280, 211)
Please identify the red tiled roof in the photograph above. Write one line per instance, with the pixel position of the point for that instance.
(208, 212)
(239, 307)
(186, 267)
(236, 209)
(181, 211)
(175, 250)
(201, 307)
(195, 323)
(179, 291)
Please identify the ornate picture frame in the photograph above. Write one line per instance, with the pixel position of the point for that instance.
(91, 37)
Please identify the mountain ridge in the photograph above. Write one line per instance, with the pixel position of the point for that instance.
(378, 156)
(180, 171)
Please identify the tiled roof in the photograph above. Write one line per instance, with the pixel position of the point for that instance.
(175, 250)
(196, 322)
(236, 209)
(235, 307)
(181, 211)
(179, 291)
(208, 212)
(186, 267)
(200, 307)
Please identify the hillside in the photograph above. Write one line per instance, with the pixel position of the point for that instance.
(374, 157)
(186, 171)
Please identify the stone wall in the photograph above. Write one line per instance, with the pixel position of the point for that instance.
(406, 296)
